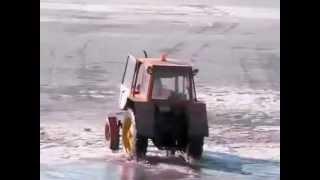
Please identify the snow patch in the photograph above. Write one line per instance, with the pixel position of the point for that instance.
(232, 98)
(252, 12)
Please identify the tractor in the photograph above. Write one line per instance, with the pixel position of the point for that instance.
(158, 102)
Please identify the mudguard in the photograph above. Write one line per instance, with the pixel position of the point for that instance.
(197, 119)
(144, 115)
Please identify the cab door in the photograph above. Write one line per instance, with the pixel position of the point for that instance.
(127, 79)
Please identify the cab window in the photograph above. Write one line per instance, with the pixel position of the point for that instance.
(142, 81)
(171, 85)
(129, 71)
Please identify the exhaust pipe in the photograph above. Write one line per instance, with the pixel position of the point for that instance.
(145, 53)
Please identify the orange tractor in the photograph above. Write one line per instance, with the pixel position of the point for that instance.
(158, 99)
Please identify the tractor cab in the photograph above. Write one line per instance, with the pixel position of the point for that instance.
(157, 79)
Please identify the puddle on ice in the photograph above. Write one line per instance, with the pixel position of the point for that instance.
(102, 170)
(214, 165)
(265, 171)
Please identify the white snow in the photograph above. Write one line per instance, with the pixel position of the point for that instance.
(240, 99)
(163, 12)
(252, 12)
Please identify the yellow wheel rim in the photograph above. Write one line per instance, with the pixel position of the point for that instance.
(128, 136)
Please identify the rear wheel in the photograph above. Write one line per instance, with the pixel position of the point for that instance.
(194, 148)
(134, 144)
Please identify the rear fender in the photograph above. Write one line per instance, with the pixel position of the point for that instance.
(197, 119)
(144, 115)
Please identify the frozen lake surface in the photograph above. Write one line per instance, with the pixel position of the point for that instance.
(236, 46)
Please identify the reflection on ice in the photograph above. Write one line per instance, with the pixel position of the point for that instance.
(213, 164)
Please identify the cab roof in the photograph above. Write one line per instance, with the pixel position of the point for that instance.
(150, 62)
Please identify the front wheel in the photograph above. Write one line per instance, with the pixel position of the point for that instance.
(134, 144)
(112, 134)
